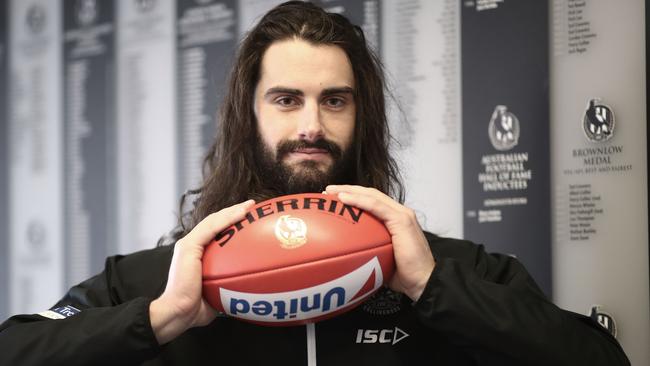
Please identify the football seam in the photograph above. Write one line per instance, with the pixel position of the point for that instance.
(296, 264)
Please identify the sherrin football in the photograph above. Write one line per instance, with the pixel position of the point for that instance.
(297, 259)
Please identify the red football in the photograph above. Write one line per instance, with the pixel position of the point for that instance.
(297, 259)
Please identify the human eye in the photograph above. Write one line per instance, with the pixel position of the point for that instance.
(335, 102)
(286, 101)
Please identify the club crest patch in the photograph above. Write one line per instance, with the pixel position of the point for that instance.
(383, 302)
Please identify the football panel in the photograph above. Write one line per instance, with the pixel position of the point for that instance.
(350, 273)
(257, 247)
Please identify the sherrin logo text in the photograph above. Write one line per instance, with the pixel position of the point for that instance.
(332, 206)
(307, 303)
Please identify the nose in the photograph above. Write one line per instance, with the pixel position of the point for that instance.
(310, 127)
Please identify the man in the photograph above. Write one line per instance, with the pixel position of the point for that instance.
(305, 108)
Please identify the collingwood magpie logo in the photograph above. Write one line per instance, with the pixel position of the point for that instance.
(605, 319)
(290, 231)
(598, 121)
(36, 19)
(503, 129)
(86, 12)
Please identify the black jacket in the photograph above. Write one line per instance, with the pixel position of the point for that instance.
(477, 309)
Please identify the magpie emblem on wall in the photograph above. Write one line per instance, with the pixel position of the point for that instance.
(503, 129)
(598, 121)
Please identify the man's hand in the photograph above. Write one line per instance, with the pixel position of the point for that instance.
(413, 257)
(181, 306)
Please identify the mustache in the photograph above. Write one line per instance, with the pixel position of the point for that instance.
(287, 146)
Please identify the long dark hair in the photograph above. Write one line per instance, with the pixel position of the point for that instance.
(230, 170)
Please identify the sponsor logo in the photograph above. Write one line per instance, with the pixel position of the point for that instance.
(36, 19)
(60, 312)
(383, 302)
(352, 214)
(605, 319)
(598, 121)
(503, 129)
(86, 12)
(307, 303)
(385, 336)
(291, 232)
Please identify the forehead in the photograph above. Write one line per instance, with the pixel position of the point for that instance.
(299, 64)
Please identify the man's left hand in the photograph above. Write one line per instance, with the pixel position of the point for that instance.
(413, 259)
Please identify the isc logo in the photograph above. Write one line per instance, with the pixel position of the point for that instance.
(391, 336)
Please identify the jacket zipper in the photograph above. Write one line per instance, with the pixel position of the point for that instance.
(311, 344)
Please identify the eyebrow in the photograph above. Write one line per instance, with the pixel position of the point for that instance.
(298, 92)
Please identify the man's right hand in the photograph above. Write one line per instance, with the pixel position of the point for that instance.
(181, 306)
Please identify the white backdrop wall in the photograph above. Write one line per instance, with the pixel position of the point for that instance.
(35, 159)
(4, 158)
(140, 87)
(600, 242)
(420, 50)
(146, 110)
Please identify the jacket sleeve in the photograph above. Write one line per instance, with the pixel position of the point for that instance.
(489, 305)
(103, 320)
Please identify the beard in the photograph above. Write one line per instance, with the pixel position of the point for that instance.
(279, 178)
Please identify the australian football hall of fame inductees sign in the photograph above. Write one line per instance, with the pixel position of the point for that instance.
(420, 48)
(35, 159)
(146, 122)
(4, 160)
(599, 159)
(206, 40)
(505, 133)
(89, 136)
